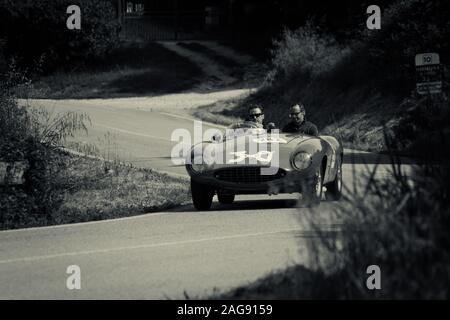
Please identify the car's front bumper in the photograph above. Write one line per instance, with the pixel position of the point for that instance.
(285, 181)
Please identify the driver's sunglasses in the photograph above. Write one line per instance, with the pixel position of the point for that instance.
(296, 114)
(256, 115)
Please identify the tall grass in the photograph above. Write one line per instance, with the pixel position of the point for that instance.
(399, 224)
(66, 187)
(33, 136)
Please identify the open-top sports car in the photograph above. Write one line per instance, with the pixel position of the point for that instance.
(256, 161)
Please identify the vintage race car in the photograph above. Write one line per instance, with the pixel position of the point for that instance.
(254, 161)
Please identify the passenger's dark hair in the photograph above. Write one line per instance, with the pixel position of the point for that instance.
(301, 106)
(254, 106)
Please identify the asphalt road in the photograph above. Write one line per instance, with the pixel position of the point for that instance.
(162, 255)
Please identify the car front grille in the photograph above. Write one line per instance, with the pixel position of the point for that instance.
(246, 175)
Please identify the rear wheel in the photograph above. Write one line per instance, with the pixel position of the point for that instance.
(225, 198)
(201, 196)
(334, 189)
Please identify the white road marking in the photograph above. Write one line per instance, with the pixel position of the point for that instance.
(145, 246)
(192, 119)
(78, 224)
(132, 132)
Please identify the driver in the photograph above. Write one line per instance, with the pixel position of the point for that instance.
(298, 122)
(255, 117)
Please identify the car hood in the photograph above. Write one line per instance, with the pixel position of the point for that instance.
(251, 149)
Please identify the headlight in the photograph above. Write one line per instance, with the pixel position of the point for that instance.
(197, 164)
(302, 160)
(201, 163)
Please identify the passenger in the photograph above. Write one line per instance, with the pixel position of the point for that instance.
(298, 123)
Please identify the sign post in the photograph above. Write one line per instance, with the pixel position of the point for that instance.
(428, 74)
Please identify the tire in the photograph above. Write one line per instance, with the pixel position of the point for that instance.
(313, 192)
(334, 189)
(201, 196)
(225, 198)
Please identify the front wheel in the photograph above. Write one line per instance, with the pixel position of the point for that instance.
(201, 196)
(313, 189)
(225, 198)
(334, 189)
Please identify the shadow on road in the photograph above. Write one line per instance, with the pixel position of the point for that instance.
(239, 205)
(356, 157)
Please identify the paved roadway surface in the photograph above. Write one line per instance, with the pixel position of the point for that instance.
(160, 255)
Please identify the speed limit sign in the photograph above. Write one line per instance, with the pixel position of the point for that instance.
(428, 73)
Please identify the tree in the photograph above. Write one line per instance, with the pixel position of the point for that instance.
(36, 33)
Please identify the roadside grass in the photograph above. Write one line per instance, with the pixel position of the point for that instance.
(134, 69)
(259, 52)
(399, 224)
(356, 115)
(233, 67)
(296, 282)
(397, 221)
(250, 75)
(99, 190)
(91, 189)
(58, 186)
(362, 130)
(358, 87)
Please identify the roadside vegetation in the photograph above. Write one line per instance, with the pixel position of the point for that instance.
(87, 63)
(61, 187)
(36, 36)
(133, 69)
(40, 58)
(399, 224)
(232, 67)
(357, 87)
(95, 189)
(362, 92)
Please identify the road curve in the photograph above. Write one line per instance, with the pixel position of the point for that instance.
(160, 255)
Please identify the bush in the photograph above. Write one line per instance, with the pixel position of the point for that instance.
(408, 27)
(424, 129)
(36, 34)
(305, 53)
(33, 136)
(355, 89)
(400, 224)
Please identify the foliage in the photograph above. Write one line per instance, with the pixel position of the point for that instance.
(35, 32)
(305, 53)
(424, 129)
(33, 136)
(357, 88)
(399, 224)
(134, 69)
(408, 27)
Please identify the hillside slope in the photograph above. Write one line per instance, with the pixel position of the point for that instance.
(360, 89)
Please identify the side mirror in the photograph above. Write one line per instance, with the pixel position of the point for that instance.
(217, 138)
(270, 126)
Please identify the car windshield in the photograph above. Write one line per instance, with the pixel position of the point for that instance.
(244, 128)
